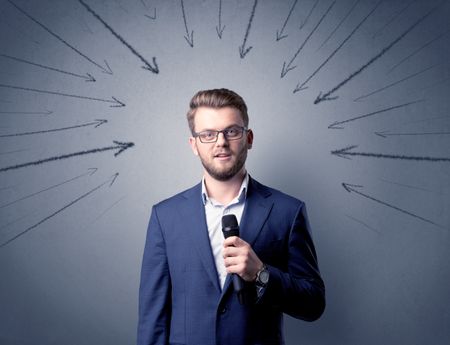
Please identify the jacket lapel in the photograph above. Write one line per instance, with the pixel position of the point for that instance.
(193, 213)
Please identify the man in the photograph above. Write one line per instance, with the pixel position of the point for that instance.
(187, 293)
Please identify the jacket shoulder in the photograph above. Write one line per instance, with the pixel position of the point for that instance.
(178, 198)
(277, 195)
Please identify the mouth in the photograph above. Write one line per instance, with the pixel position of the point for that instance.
(223, 156)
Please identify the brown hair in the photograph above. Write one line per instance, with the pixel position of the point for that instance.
(216, 98)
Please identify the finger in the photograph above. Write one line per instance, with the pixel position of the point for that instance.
(234, 241)
(230, 251)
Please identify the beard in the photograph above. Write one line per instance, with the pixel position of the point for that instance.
(223, 173)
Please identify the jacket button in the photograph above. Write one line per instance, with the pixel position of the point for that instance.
(223, 310)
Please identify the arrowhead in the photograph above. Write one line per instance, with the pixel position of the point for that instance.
(122, 147)
(285, 69)
(334, 125)
(348, 186)
(113, 179)
(106, 70)
(151, 17)
(220, 31)
(280, 36)
(299, 88)
(99, 122)
(243, 52)
(118, 104)
(150, 67)
(343, 152)
(382, 134)
(94, 170)
(89, 78)
(190, 39)
(325, 97)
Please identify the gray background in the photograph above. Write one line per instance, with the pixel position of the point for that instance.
(73, 278)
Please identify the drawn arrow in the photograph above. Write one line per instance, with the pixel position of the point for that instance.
(385, 134)
(118, 145)
(242, 49)
(87, 77)
(103, 69)
(154, 11)
(90, 172)
(286, 68)
(110, 181)
(393, 18)
(301, 86)
(327, 96)
(417, 51)
(347, 152)
(280, 35)
(309, 14)
(189, 37)
(96, 123)
(339, 25)
(336, 125)
(154, 15)
(48, 112)
(147, 65)
(353, 188)
(220, 28)
(394, 83)
(116, 103)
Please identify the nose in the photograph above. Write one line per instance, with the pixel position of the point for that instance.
(221, 139)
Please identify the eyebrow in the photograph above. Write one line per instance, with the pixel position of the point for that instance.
(215, 130)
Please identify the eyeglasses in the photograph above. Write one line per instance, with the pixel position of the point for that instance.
(230, 133)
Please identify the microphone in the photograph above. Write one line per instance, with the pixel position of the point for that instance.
(230, 227)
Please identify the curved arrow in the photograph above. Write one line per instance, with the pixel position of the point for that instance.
(121, 146)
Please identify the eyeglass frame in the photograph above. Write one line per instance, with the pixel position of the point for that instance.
(242, 128)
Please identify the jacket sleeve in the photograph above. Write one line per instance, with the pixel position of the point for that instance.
(298, 289)
(155, 288)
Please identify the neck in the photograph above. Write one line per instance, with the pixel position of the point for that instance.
(224, 191)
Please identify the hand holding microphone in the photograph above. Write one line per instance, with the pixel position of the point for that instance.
(240, 259)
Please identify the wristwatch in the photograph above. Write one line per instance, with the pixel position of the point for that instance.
(262, 277)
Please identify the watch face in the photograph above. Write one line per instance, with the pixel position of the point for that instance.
(264, 277)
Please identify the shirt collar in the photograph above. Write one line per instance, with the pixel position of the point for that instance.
(242, 195)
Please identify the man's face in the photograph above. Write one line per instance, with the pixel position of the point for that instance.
(224, 158)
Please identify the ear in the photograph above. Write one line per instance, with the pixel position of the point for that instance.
(249, 139)
(193, 144)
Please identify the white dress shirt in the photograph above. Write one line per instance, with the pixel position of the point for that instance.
(214, 212)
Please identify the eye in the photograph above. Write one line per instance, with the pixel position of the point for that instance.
(232, 132)
(207, 134)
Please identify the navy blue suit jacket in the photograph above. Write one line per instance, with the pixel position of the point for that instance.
(180, 299)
